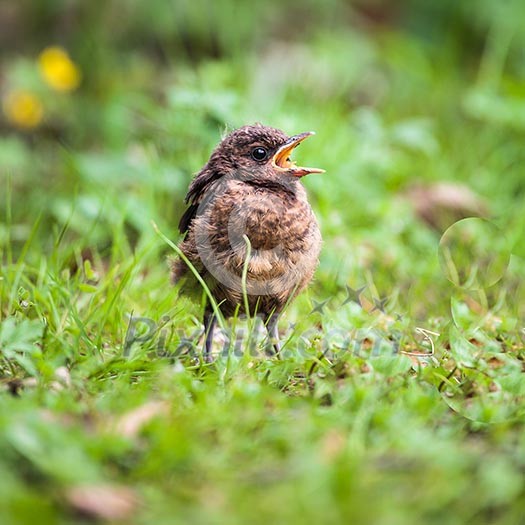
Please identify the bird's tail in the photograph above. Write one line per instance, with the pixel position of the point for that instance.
(178, 269)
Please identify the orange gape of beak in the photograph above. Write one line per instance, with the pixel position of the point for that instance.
(281, 159)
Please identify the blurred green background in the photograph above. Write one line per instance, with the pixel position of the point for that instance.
(109, 108)
(399, 93)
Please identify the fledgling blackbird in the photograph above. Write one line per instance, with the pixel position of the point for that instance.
(248, 199)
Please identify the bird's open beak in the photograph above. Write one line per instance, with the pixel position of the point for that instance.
(281, 159)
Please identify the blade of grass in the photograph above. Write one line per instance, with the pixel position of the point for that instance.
(178, 251)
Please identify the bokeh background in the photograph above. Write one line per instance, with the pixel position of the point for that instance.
(107, 110)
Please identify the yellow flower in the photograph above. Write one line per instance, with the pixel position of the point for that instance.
(58, 70)
(23, 109)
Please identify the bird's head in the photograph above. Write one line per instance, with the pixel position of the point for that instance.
(260, 152)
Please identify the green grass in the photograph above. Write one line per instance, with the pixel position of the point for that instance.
(404, 407)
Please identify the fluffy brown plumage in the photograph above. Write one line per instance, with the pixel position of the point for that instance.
(249, 189)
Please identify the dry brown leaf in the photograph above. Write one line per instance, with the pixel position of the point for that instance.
(131, 423)
(105, 502)
(63, 376)
(333, 444)
(443, 203)
(62, 380)
(495, 363)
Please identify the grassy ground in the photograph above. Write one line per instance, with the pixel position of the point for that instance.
(401, 404)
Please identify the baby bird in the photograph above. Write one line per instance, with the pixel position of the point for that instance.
(249, 230)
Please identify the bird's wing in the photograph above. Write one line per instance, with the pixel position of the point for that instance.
(187, 218)
(198, 187)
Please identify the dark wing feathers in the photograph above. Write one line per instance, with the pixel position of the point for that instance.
(197, 188)
(189, 215)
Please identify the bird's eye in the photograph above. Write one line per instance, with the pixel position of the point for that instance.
(259, 153)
